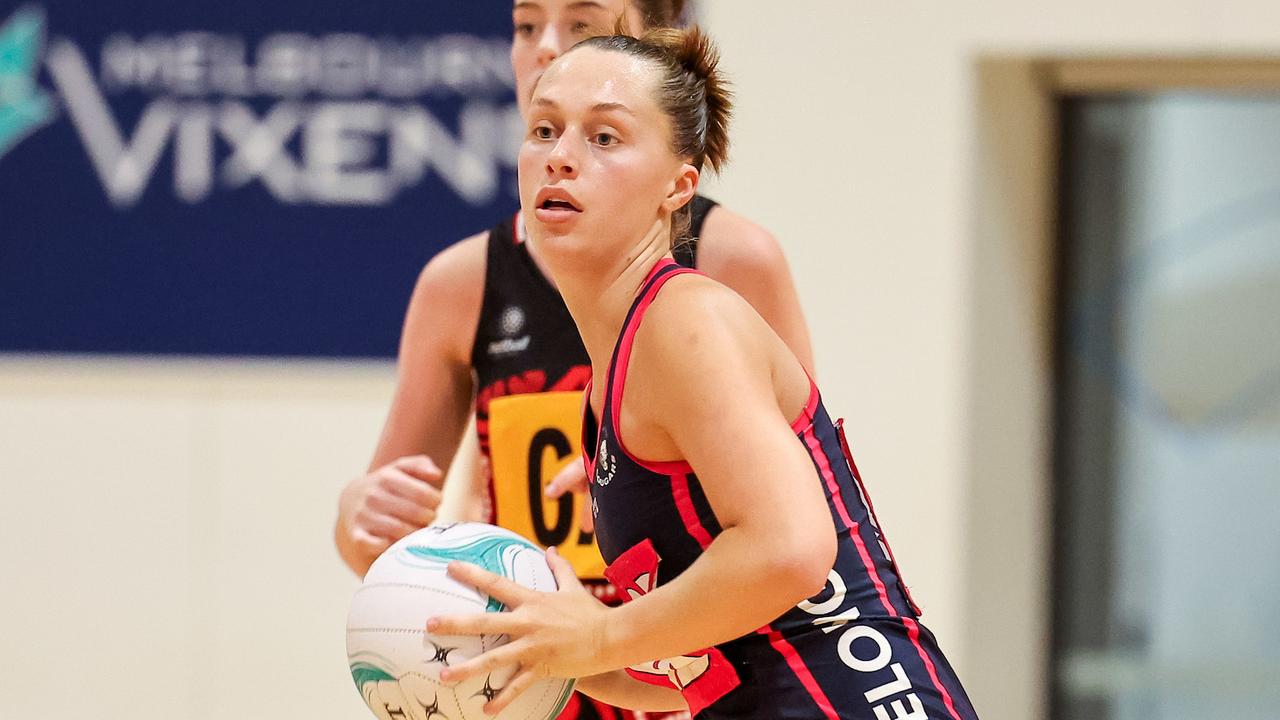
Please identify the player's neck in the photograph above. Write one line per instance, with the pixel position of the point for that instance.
(599, 294)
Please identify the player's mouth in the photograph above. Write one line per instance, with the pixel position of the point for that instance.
(555, 205)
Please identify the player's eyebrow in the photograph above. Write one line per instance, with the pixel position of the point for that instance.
(572, 6)
(610, 106)
(598, 107)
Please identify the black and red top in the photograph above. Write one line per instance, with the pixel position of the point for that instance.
(855, 650)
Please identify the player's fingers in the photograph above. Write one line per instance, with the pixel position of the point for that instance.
(565, 576)
(413, 489)
(474, 624)
(368, 543)
(414, 513)
(518, 684)
(421, 467)
(571, 478)
(494, 586)
(587, 519)
(383, 525)
(505, 655)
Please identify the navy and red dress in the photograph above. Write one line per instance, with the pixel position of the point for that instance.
(530, 368)
(855, 650)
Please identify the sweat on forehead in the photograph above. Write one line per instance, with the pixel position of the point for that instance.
(606, 68)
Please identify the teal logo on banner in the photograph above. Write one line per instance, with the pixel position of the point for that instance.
(23, 106)
(242, 178)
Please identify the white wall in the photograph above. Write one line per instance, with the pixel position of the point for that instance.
(855, 143)
(166, 532)
(165, 525)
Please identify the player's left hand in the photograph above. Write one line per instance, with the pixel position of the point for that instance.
(553, 634)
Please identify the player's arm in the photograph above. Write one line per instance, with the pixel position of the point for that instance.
(717, 387)
(619, 689)
(747, 258)
(402, 489)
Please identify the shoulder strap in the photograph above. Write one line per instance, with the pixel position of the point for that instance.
(498, 256)
(661, 273)
(686, 251)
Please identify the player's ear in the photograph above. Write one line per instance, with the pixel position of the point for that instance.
(683, 188)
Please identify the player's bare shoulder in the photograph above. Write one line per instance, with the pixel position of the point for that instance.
(698, 323)
(446, 301)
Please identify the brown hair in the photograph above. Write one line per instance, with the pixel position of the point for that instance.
(691, 92)
(659, 13)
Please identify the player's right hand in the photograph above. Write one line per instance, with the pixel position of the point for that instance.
(382, 506)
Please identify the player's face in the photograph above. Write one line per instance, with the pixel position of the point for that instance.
(545, 29)
(597, 171)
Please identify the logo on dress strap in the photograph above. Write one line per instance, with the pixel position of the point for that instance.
(606, 464)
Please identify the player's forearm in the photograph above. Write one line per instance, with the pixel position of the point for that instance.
(619, 689)
(743, 581)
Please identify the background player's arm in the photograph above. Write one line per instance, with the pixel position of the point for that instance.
(401, 491)
(747, 258)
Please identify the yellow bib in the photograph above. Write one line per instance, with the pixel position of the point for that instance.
(531, 438)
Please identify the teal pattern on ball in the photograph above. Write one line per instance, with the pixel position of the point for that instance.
(364, 673)
(490, 553)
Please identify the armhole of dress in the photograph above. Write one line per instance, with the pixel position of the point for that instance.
(621, 363)
(590, 440)
(486, 293)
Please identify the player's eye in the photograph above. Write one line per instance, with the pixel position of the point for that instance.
(581, 28)
(524, 30)
(543, 132)
(605, 139)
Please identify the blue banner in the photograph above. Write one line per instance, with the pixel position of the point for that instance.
(242, 177)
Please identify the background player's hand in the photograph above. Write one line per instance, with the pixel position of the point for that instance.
(380, 507)
(553, 634)
(573, 478)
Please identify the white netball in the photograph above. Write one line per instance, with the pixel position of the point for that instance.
(396, 663)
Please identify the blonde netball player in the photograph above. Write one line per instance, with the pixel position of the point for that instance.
(727, 506)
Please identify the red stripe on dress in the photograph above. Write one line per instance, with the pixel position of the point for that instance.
(824, 467)
(689, 514)
(913, 632)
(618, 379)
(810, 409)
(796, 663)
(815, 449)
(871, 510)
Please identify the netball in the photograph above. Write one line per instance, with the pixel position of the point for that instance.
(395, 663)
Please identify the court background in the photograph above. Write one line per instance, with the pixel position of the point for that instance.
(166, 523)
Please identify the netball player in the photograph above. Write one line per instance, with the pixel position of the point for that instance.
(487, 331)
(728, 509)
(486, 325)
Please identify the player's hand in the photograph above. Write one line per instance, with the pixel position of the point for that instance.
(379, 508)
(553, 634)
(573, 478)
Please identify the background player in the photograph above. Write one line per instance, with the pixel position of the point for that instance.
(727, 505)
